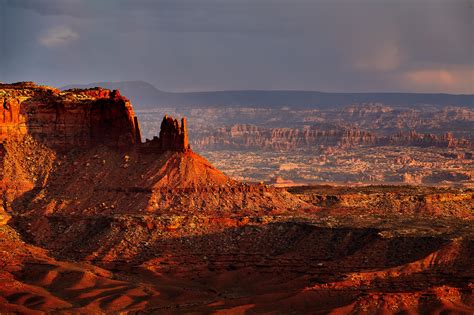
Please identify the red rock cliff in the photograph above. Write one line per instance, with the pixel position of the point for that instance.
(173, 137)
(69, 119)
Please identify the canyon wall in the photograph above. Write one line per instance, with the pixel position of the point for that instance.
(243, 137)
(79, 118)
(70, 119)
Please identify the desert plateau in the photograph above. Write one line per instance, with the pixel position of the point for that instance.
(95, 220)
(236, 157)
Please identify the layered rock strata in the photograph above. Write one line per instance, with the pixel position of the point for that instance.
(80, 118)
(251, 137)
(69, 119)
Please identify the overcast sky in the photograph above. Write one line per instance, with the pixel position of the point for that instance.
(190, 45)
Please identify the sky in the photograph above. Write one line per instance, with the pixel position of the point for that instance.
(203, 45)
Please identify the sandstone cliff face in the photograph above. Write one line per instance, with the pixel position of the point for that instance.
(80, 119)
(243, 137)
(70, 119)
(163, 174)
(405, 200)
(424, 119)
(282, 139)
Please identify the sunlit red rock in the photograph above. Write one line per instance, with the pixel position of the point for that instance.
(154, 227)
(69, 119)
(173, 137)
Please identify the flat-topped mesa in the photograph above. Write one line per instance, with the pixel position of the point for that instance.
(81, 118)
(173, 137)
(63, 120)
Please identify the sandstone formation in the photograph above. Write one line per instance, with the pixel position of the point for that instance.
(405, 200)
(70, 119)
(413, 138)
(173, 137)
(81, 119)
(250, 137)
(156, 228)
(163, 174)
(245, 137)
(387, 119)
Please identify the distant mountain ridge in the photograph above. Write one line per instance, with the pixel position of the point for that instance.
(145, 95)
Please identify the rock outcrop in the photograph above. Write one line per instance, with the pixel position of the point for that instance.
(245, 137)
(405, 200)
(173, 137)
(69, 119)
(80, 119)
(164, 174)
(415, 139)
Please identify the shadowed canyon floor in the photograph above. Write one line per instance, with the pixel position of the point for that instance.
(121, 229)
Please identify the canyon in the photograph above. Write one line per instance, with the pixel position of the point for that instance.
(251, 137)
(369, 143)
(93, 219)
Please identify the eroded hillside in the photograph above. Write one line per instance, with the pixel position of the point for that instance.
(113, 226)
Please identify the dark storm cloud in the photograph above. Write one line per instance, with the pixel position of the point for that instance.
(233, 44)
